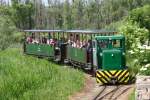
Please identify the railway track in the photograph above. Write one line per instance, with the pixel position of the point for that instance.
(111, 92)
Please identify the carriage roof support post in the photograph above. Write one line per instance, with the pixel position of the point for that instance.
(92, 69)
(86, 37)
(82, 38)
(49, 35)
(68, 36)
(24, 46)
(58, 35)
(39, 37)
(53, 34)
(63, 35)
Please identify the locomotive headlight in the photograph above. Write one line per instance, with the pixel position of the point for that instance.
(123, 53)
(101, 54)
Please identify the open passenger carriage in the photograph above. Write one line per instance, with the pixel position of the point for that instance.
(81, 50)
(42, 43)
(69, 46)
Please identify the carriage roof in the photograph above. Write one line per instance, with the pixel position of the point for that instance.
(90, 31)
(75, 31)
(43, 31)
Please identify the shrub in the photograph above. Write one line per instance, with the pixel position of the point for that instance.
(135, 35)
(7, 30)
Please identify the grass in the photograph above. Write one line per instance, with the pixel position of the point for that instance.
(24, 77)
(132, 96)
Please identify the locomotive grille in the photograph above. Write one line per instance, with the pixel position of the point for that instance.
(106, 77)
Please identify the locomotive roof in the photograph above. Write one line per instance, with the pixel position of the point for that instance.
(43, 30)
(110, 37)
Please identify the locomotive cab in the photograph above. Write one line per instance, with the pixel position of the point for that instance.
(111, 60)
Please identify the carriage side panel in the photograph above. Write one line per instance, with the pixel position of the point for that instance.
(77, 54)
(40, 50)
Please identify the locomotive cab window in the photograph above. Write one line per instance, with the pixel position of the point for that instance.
(103, 43)
(106, 43)
(116, 43)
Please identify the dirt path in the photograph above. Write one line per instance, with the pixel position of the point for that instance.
(91, 89)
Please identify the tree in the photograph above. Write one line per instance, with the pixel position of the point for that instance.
(142, 17)
(22, 14)
(67, 20)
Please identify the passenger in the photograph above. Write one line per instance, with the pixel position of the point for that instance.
(78, 44)
(89, 46)
(59, 42)
(53, 42)
(74, 44)
(44, 40)
(48, 41)
(33, 35)
(78, 41)
(81, 44)
(89, 49)
(35, 41)
(29, 39)
(71, 37)
(70, 41)
(77, 37)
(84, 44)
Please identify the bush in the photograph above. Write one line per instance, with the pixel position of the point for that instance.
(133, 64)
(7, 30)
(145, 71)
(135, 35)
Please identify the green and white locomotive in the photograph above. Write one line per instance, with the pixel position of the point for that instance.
(98, 50)
(110, 60)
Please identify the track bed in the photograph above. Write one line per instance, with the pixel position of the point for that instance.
(94, 91)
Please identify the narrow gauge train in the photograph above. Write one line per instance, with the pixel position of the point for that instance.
(98, 50)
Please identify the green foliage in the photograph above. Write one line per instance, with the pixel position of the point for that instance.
(144, 57)
(67, 15)
(135, 35)
(7, 29)
(28, 78)
(116, 25)
(75, 14)
(18, 37)
(146, 71)
(77, 10)
(141, 16)
(22, 15)
(5, 11)
(133, 64)
(145, 63)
